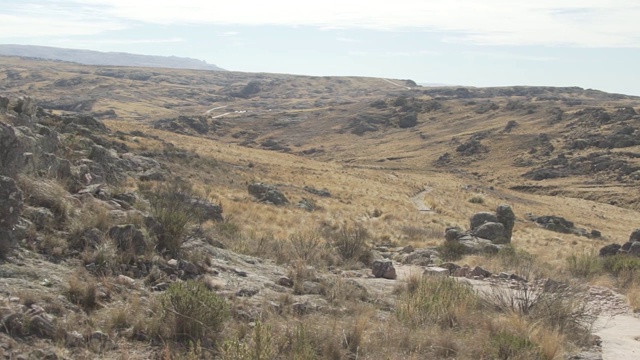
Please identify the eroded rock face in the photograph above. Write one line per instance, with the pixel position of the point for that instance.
(11, 203)
(12, 150)
(128, 238)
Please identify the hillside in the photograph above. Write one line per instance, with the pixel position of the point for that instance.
(89, 57)
(169, 214)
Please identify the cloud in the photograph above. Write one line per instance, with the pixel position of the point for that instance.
(118, 41)
(584, 23)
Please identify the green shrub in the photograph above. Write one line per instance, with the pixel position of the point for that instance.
(508, 346)
(619, 264)
(452, 250)
(259, 346)
(170, 207)
(193, 313)
(585, 265)
(478, 199)
(350, 242)
(439, 300)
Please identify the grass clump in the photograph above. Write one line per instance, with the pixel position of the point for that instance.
(477, 199)
(452, 251)
(585, 265)
(350, 242)
(509, 346)
(170, 207)
(437, 300)
(192, 313)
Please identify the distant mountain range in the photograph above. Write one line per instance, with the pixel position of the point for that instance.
(89, 57)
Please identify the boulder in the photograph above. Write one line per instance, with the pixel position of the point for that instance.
(609, 250)
(478, 271)
(507, 218)
(556, 223)
(634, 249)
(436, 271)
(453, 233)
(635, 235)
(383, 269)
(267, 193)
(481, 218)
(491, 231)
(209, 210)
(128, 238)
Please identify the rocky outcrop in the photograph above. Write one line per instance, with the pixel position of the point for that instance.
(128, 238)
(267, 193)
(631, 247)
(562, 225)
(11, 207)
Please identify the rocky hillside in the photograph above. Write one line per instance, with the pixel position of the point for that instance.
(154, 213)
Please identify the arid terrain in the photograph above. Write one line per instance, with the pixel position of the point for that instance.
(166, 213)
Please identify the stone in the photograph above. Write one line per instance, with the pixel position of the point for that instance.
(450, 266)
(555, 223)
(267, 193)
(481, 218)
(209, 210)
(595, 234)
(507, 218)
(462, 272)
(635, 235)
(478, 271)
(453, 233)
(129, 238)
(125, 280)
(609, 250)
(285, 281)
(383, 269)
(634, 249)
(491, 231)
(436, 271)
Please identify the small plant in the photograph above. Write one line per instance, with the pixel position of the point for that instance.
(192, 312)
(350, 241)
(438, 300)
(477, 199)
(171, 208)
(260, 345)
(585, 265)
(305, 245)
(452, 251)
(508, 346)
(82, 293)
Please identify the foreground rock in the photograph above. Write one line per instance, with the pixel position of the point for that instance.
(383, 269)
(631, 247)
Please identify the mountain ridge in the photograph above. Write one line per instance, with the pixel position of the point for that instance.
(92, 57)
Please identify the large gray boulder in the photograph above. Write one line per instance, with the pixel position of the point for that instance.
(507, 218)
(210, 211)
(481, 218)
(491, 231)
(635, 235)
(610, 250)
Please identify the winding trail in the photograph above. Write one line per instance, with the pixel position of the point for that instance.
(418, 200)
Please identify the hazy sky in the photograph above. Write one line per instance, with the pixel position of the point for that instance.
(587, 43)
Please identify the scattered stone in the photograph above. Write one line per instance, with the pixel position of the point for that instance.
(436, 271)
(383, 269)
(480, 272)
(285, 281)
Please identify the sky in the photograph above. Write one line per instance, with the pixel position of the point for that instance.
(587, 43)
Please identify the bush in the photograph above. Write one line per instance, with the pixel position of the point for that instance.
(439, 300)
(350, 242)
(584, 265)
(193, 313)
(508, 346)
(477, 199)
(170, 206)
(452, 251)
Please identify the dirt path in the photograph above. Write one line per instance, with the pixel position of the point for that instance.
(418, 200)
